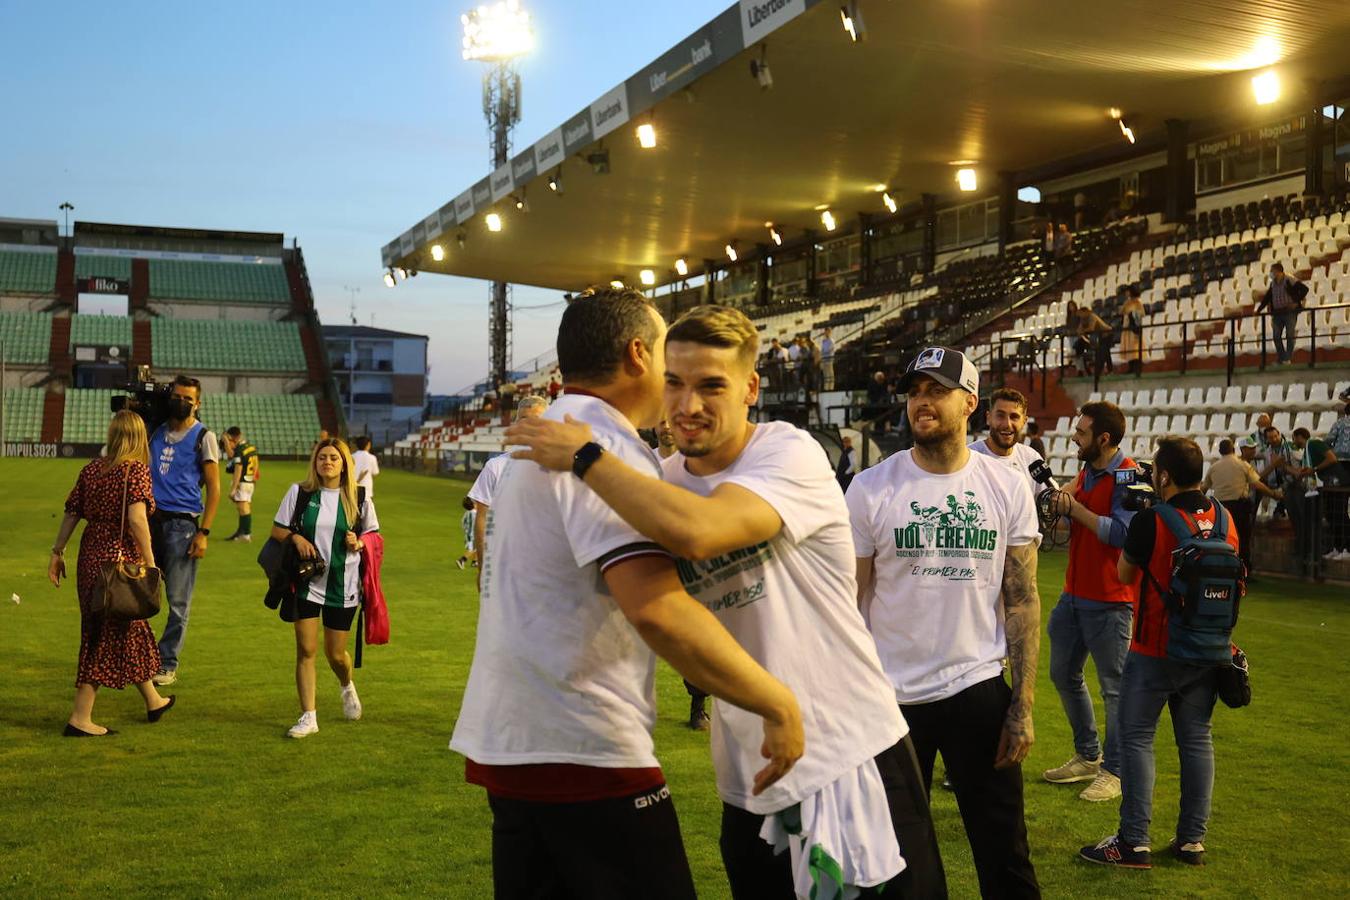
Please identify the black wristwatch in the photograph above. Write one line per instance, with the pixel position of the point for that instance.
(585, 458)
(204, 532)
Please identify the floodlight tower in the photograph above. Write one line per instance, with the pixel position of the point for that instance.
(499, 34)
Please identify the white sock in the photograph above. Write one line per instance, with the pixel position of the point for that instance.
(350, 687)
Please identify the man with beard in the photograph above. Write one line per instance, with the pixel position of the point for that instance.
(1007, 417)
(756, 515)
(947, 604)
(1096, 609)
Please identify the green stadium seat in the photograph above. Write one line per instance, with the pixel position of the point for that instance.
(23, 414)
(214, 344)
(274, 423)
(88, 411)
(91, 329)
(26, 336)
(172, 279)
(89, 265)
(23, 272)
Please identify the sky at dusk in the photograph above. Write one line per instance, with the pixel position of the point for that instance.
(337, 124)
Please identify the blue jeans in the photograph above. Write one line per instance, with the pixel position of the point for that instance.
(1283, 324)
(1077, 628)
(1189, 692)
(172, 537)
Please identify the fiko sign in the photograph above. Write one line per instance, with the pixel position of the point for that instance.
(102, 285)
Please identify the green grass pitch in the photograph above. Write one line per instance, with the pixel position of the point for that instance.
(216, 801)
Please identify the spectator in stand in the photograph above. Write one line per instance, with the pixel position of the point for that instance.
(795, 353)
(1048, 243)
(554, 389)
(1316, 460)
(1281, 471)
(1231, 480)
(1093, 346)
(1080, 202)
(848, 463)
(1034, 440)
(877, 400)
(367, 465)
(1339, 440)
(827, 360)
(1063, 242)
(809, 364)
(1253, 447)
(1132, 331)
(774, 364)
(1284, 297)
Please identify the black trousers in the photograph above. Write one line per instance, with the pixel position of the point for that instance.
(756, 873)
(1244, 514)
(965, 729)
(598, 850)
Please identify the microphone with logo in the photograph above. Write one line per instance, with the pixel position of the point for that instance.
(1053, 533)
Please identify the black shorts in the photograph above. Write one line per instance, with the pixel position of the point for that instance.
(335, 618)
(614, 849)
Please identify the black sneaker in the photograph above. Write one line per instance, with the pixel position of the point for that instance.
(698, 715)
(1111, 852)
(1192, 854)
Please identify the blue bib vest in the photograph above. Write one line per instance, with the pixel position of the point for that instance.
(176, 472)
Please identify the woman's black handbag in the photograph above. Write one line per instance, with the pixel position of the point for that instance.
(1235, 686)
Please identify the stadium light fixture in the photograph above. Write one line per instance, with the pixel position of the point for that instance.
(402, 274)
(599, 160)
(617, 284)
(889, 202)
(730, 248)
(966, 180)
(437, 252)
(461, 239)
(773, 234)
(646, 135)
(494, 222)
(1266, 87)
(827, 219)
(555, 182)
(497, 32)
(389, 278)
(522, 204)
(647, 277)
(851, 18)
(682, 267)
(759, 68)
(1127, 131)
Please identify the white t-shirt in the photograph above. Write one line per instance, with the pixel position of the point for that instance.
(792, 604)
(1019, 461)
(488, 476)
(340, 585)
(365, 461)
(559, 675)
(939, 543)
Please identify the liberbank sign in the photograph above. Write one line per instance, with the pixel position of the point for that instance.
(759, 17)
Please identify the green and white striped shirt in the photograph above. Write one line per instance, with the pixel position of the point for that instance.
(324, 524)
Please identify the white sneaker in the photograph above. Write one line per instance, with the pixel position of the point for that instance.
(165, 677)
(351, 704)
(1104, 787)
(1076, 769)
(307, 724)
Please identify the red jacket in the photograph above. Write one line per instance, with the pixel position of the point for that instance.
(1092, 571)
(372, 593)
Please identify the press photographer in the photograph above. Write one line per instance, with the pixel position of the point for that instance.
(1095, 611)
(184, 457)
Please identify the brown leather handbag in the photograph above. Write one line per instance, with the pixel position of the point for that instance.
(130, 590)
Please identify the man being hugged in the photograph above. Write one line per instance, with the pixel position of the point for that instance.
(760, 525)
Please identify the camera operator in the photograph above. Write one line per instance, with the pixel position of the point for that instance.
(1095, 611)
(184, 456)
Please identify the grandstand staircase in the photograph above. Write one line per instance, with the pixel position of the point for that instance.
(58, 355)
(141, 342)
(53, 415)
(140, 288)
(66, 291)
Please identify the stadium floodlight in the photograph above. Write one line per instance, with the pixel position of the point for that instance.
(731, 251)
(759, 69)
(497, 32)
(773, 234)
(647, 277)
(437, 252)
(827, 219)
(461, 239)
(1126, 130)
(850, 16)
(965, 179)
(389, 278)
(402, 274)
(555, 182)
(522, 204)
(599, 160)
(1266, 87)
(888, 201)
(617, 284)
(646, 135)
(494, 222)
(681, 267)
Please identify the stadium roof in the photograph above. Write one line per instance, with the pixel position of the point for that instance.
(366, 331)
(1007, 86)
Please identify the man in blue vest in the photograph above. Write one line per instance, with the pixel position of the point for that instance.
(184, 456)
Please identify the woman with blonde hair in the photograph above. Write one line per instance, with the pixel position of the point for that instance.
(113, 495)
(321, 518)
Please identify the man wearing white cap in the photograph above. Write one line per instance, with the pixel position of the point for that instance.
(946, 542)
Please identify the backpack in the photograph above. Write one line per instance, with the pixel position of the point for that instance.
(1207, 582)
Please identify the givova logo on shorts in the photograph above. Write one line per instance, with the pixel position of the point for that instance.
(653, 798)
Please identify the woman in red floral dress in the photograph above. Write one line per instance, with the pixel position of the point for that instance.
(113, 653)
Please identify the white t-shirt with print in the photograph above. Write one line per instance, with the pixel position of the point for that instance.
(1020, 460)
(363, 461)
(791, 602)
(340, 585)
(559, 675)
(488, 476)
(939, 543)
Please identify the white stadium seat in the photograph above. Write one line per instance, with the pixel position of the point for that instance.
(1275, 396)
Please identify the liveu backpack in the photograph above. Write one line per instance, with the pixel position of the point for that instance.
(1206, 585)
